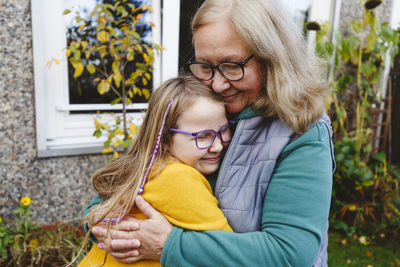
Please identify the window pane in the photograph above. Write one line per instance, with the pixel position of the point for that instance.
(83, 90)
(188, 9)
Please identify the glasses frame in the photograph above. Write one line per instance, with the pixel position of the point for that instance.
(219, 134)
(240, 64)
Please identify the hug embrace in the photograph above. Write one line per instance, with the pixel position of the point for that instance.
(233, 164)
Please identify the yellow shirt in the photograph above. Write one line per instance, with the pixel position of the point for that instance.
(184, 196)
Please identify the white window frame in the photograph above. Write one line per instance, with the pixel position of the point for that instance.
(59, 133)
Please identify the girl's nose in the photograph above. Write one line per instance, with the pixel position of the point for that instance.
(216, 146)
(219, 83)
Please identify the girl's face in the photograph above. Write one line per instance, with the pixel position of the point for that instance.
(204, 114)
(218, 42)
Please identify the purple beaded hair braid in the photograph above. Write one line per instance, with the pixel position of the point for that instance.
(156, 148)
(115, 220)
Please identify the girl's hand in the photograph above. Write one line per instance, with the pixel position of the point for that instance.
(132, 239)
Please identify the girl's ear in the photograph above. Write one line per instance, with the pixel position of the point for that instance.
(167, 144)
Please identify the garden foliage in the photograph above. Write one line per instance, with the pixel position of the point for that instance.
(366, 197)
(28, 244)
(110, 50)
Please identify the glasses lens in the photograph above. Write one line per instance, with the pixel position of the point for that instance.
(231, 71)
(201, 71)
(226, 134)
(205, 139)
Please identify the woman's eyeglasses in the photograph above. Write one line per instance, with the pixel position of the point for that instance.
(205, 139)
(233, 71)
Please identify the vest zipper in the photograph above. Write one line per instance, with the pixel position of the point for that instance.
(227, 156)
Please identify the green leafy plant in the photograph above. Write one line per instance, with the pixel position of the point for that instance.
(109, 48)
(49, 246)
(355, 74)
(365, 190)
(25, 224)
(17, 237)
(366, 196)
(5, 240)
(29, 244)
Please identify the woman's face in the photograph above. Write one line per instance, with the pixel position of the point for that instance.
(218, 42)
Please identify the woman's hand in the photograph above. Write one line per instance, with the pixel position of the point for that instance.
(132, 239)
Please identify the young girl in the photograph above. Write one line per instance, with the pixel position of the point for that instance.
(183, 136)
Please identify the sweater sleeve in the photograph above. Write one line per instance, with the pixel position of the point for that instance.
(95, 201)
(295, 212)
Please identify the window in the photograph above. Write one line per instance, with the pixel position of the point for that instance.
(60, 129)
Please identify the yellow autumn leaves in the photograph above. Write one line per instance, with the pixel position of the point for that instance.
(133, 128)
(115, 139)
(103, 36)
(115, 42)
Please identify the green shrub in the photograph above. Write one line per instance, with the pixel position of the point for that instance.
(29, 244)
(365, 197)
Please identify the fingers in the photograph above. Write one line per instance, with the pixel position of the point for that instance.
(130, 259)
(118, 238)
(146, 208)
(120, 245)
(99, 232)
(125, 254)
(115, 234)
(127, 224)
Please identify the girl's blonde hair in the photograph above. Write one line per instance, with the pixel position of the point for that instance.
(120, 179)
(294, 88)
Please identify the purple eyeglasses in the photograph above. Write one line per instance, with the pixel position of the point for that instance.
(205, 139)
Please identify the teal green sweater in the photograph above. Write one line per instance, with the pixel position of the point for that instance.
(295, 211)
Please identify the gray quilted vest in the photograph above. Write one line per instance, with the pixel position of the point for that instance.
(252, 154)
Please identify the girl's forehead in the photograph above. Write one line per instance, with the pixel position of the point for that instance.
(203, 107)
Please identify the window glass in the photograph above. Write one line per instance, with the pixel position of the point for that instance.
(188, 9)
(83, 90)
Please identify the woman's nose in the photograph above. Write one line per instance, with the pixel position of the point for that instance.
(219, 83)
(216, 146)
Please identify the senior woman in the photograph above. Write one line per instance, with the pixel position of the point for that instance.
(274, 185)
